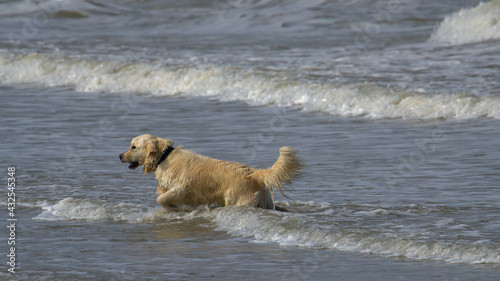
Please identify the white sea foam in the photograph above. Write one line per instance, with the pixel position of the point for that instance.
(287, 229)
(84, 209)
(470, 25)
(255, 87)
(263, 226)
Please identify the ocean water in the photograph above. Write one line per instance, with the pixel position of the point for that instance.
(393, 105)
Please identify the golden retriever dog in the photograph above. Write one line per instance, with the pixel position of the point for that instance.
(187, 178)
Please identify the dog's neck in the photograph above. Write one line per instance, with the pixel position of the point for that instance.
(165, 155)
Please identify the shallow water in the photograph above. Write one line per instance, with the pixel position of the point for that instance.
(398, 126)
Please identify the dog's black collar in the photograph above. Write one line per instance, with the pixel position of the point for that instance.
(165, 154)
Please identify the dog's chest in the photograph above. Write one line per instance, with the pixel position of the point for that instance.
(161, 189)
(167, 182)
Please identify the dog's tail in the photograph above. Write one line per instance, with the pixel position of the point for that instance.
(286, 168)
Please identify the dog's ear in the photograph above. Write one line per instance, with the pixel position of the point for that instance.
(151, 152)
(154, 148)
(162, 144)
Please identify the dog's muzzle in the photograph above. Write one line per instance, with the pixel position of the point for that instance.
(133, 165)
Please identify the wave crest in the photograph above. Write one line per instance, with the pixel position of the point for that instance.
(254, 86)
(471, 25)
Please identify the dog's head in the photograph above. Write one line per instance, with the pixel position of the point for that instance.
(145, 150)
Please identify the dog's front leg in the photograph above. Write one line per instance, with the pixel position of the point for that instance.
(170, 199)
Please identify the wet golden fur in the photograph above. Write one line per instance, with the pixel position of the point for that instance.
(187, 178)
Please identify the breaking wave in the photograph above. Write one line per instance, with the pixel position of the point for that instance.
(292, 229)
(253, 86)
(470, 25)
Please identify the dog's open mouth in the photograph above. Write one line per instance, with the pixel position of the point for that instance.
(133, 165)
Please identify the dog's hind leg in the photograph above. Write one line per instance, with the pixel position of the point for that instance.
(265, 200)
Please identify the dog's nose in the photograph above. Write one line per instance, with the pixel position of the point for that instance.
(121, 156)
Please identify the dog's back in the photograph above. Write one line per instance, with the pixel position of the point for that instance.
(202, 180)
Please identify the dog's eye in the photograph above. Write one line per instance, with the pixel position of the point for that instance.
(133, 147)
